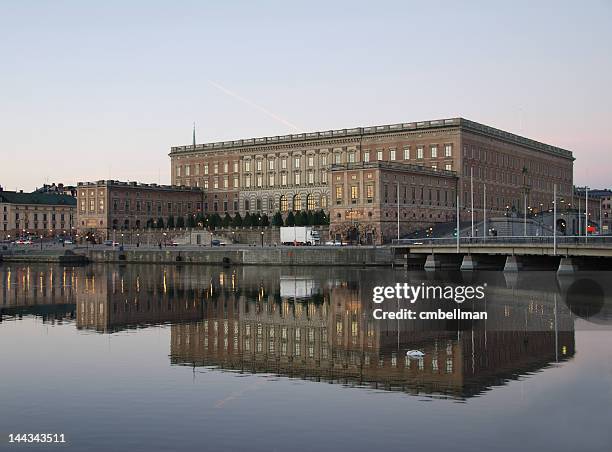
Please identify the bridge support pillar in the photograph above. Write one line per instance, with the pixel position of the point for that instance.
(512, 264)
(567, 265)
(469, 263)
(432, 262)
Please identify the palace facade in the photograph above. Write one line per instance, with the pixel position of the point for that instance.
(108, 205)
(294, 172)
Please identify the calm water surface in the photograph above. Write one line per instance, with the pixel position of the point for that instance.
(146, 358)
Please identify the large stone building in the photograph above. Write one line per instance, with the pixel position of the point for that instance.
(108, 205)
(292, 172)
(367, 199)
(26, 214)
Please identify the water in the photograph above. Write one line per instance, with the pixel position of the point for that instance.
(146, 358)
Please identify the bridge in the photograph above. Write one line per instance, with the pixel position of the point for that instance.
(564, 254)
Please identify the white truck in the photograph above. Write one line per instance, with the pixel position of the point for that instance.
(299, 235)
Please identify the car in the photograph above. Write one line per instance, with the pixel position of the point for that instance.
(173, 243)
(333, 243)
(110, 243)
(67, 242)
(23, 242)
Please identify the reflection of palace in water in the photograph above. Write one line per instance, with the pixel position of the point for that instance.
(45, 291)
(334, 338)
(311, 323)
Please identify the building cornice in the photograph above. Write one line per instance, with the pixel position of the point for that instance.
(333, 137)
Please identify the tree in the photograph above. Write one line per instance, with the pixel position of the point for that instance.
(290, 220)
(191, 222)
(227, 220)
(299, 218)
(215, 220)
(171, 221)
(180, 222)
(199, 220)
(247, 221)
(265, 222)
(150, 223)
(324, 218)
(160, 223)
(237, 220)
(310, 218)
(277, 219)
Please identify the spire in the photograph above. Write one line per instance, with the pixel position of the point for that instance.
(194, 140)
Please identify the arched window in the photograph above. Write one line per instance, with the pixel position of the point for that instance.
(247, 205)
(297, 203)
(324, 201)
(310, 202)
(284, 205)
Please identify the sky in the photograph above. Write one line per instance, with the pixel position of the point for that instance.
(102, 90)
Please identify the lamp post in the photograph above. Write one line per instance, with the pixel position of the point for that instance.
(41, 237)
(262, 235)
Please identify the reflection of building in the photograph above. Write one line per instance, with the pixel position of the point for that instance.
(337, 339)
(43, 290)
(46, 214)
(109, 205)
(111, 298)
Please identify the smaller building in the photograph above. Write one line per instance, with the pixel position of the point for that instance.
(599, 209)
(108, 205)
(368, 197)
(28, 214)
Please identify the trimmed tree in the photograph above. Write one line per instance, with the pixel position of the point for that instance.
(247, 221)
(227, 220)
(180, 222)
(265, 222)
(277, 219)
(160, 223)
(191, 222)
(171, 221)
(290, 220)
(237, 220)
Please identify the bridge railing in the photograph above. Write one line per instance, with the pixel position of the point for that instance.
(592, 240)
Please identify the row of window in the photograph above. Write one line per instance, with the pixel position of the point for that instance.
(285, 203)
(198, 169)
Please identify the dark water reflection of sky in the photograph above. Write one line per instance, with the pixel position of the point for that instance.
(155, 358)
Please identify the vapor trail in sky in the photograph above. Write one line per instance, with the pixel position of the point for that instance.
(253, 104)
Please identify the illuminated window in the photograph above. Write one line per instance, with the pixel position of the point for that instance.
(310, 202)
(284, 204)
(407, 154)
(297, 203)
(392, 154)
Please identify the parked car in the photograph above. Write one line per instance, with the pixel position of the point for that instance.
(23, 242)
(67, 242)
(110, 243)
(333, 243)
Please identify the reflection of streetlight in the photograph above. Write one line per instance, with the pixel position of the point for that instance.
(122, 239)
(233, 236)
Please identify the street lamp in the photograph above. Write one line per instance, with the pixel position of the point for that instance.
(262, 234)
(41, 237)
